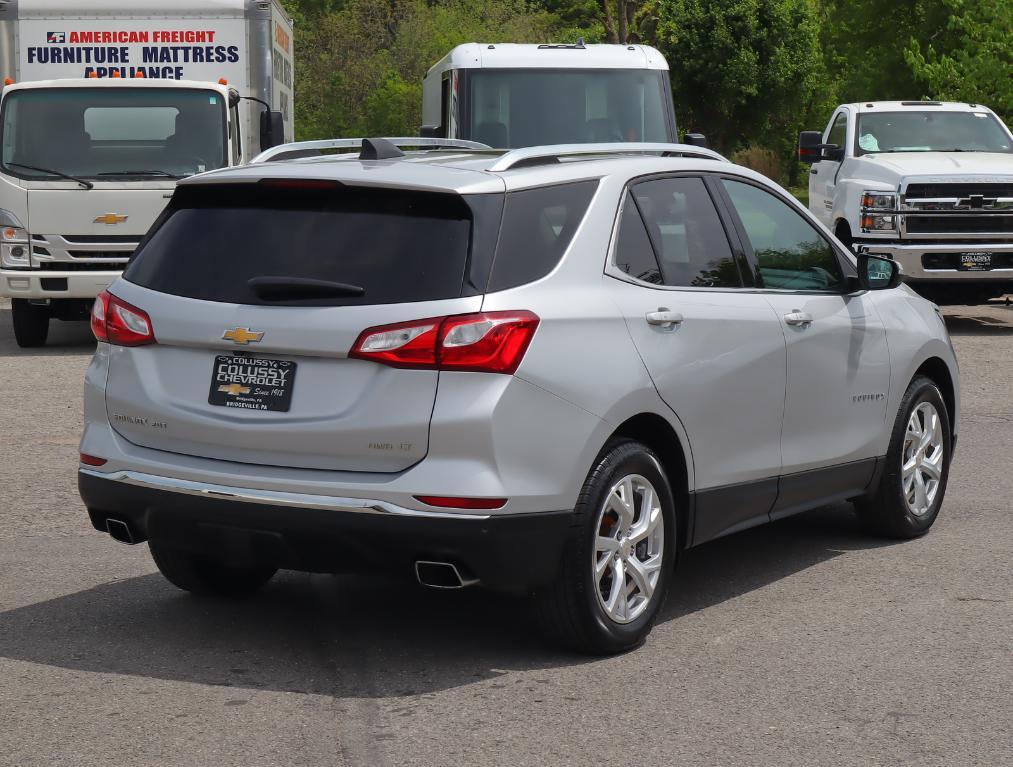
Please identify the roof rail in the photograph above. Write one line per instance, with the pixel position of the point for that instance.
(298, 149)
(545, 155)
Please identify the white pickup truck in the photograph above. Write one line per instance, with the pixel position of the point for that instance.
(927, 183)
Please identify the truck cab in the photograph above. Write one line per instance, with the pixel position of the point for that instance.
(86, 166)
(511, 95)
(927, 183)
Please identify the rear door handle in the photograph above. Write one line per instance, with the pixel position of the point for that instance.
(798, 317)
(664, 318)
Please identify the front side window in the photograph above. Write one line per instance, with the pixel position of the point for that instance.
(839, 130)
(98, 133)
(516, 107)
(687, 235)
(790, 252)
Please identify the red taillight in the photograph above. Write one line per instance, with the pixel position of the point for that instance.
(117, 322)
(93, 460)
(489, 342)
(449, 502)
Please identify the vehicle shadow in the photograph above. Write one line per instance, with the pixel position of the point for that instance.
(65, 338)
(979, 325)
(365, 636)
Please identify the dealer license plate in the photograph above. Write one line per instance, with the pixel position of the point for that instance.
(974, 262)
(252, 383)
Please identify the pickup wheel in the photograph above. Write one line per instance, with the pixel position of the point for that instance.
(31, 323)
(207, 577)
(911, 489)
(843, 233)
(619, 556)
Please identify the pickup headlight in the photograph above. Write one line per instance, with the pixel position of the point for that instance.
(879, 201)
(14, 248)
(872, 222)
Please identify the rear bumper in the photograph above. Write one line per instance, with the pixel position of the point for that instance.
(911, 257)
(41, 285)
(506, 552)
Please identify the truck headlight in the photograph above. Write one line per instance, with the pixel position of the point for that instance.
(872, 222)
(879, 201)
(14, 248)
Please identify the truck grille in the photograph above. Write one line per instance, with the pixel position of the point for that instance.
(932, 191)
(959, 224)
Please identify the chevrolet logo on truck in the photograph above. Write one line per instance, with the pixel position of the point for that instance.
(977, 202)
(110, 219)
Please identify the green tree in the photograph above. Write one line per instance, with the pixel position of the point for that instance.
(743, 71)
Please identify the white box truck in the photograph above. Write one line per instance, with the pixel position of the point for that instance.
(510, 95)
(106, 104)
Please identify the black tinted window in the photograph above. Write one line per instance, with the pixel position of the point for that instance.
(399, 246)
(538, 225)
(634, 254)
(791, 253)
(688, 236)
(839, 131)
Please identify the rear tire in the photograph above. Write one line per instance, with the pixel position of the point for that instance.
(597, 604)
(910, 492)
(31, 323)
(206, 577)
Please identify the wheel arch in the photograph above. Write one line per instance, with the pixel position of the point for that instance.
(659, 435)
(935, 369)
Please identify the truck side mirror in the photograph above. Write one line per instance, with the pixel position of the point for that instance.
(696, 139)
(877, 272)
(429, 131)
(272, 129)
(810, 146)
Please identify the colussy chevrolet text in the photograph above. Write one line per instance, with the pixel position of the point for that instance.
(546, 371)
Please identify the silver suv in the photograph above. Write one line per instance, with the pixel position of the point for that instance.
(546, 371)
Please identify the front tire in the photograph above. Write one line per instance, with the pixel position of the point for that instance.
(207, 577)
(619, 556)
(911, 489)
(31, 323)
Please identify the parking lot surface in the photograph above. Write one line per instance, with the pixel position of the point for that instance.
(800, 643)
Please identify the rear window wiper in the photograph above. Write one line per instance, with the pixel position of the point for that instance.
(48, 171)
(140, 173)
(300, 288)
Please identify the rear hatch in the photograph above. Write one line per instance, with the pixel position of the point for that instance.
(259, 372)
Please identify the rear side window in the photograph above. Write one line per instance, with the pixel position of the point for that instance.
(634, 254)
(538, 226)
(397, 246)
(687, 234)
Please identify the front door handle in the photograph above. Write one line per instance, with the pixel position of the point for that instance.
(798, 317)
(664, 318)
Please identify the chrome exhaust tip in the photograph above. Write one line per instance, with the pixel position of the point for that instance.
(441, 575)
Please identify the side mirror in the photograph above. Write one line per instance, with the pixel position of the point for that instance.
(272, 129)
(810, 143)
(696, 139)
(877, 272)
(429, 131)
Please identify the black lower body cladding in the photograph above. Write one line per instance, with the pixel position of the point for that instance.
(511, 552)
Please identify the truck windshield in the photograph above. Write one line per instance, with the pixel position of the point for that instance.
(510, 108)
(103, 133)
(927, 131)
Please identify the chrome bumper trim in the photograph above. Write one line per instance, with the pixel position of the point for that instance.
(272, 497)
(909, 256)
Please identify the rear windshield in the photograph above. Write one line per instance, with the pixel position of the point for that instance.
(397, 246)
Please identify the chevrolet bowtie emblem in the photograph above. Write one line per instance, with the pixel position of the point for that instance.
(234, 389)
(242, 336)
(110, 219)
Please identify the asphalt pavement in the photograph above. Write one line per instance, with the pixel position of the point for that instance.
(800, 643)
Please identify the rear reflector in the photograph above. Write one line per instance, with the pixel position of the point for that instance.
(448, 502)
(488, 342)
(117, 322)
(93, 460)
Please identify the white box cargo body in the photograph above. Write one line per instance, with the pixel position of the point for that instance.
(106, 105)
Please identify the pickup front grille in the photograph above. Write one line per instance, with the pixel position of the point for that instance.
(933, 191)
(960, 224)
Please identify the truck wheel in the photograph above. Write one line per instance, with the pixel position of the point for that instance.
(619, 556)
(910, 492)
(31, 323)
(207, 577)
(843, 233)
